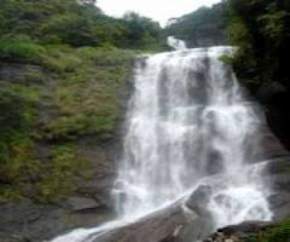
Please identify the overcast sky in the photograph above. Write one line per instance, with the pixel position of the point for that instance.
(160, 10)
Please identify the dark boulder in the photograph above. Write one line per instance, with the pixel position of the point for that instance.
(185, 221)
(239, 232)
(160, 226)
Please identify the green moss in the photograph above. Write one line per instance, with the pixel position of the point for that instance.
(20, 49)
(227, 59)
(34, 76)
(18, 166)
(86, 95)
(279, 233)
(60, 59)
(73, 93)
(62, 173)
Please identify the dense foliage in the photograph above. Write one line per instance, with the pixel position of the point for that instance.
(260, 28)
(207, 24)
(77, 23)
(277, 233)
(61, 68)
(70, 93)
(261, 31)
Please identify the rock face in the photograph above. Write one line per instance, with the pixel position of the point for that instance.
(91, 202)
(275, 97)
(90, 205)
(238, 233)
(277, 176)
(181, 222)
(163, 225)
(187, 221)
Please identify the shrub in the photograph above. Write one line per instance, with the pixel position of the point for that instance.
(280, 233)
(61, 174)
(17, 49)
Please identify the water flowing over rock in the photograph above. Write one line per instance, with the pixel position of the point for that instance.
(193, 153)
(187, 120)
(176, 44)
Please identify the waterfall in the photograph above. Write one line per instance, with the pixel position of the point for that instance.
(188, 120)
(176, 44)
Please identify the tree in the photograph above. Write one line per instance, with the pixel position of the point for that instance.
(142, 32)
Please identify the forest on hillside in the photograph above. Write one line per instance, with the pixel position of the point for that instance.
(49, 52)
(64, 71)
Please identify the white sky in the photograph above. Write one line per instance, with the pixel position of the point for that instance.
(159, 10)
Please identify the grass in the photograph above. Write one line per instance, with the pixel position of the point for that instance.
(73, 93)
(61, 174)
(87, 93)
(20, 50)
(280, 233)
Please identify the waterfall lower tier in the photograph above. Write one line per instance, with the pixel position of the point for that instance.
(188, 125)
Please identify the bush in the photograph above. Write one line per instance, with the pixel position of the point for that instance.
(86, 97)
(60, 176)
(17, 163)
(23, 50)
(280, 233)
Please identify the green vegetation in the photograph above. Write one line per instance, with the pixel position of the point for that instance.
(20, 49)
(67, 62)
(279, 233)
(260, 28)
(87, 97)
(203, 24)
(76, 23)
(16, 147)
(60, 176)
(73, 92)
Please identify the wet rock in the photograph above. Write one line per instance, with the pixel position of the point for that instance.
(277, 177)
(82, 203)
(155, 228)
(12, 238)
(280, 205)
(275, 97)
(27, 221)
(91, 203)
(199, 199)
(272, 148)
(23, 73)
(245, 227)
(239, 232)
(184, 221)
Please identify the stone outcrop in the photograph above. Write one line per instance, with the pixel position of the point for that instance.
(238, 233)
(183, 221)
(90, 204)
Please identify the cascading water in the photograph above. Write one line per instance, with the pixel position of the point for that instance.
(187, 121)
(176, 44)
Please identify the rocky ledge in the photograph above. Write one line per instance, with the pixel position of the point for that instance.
(239, 233)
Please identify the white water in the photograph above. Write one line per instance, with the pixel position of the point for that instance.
(176, 44)
(187, 120)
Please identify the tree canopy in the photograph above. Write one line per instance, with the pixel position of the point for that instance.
(204, 23)
(77, 23)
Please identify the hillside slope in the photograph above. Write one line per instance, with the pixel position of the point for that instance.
(203, 27)
(64, 81)
(61, 137)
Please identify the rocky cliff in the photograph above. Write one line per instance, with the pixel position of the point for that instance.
(75, 100)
